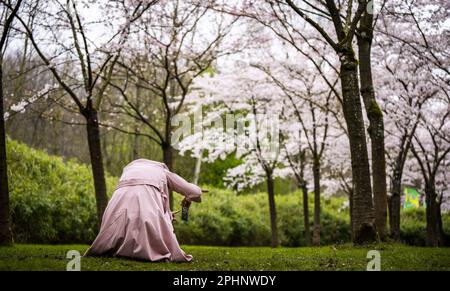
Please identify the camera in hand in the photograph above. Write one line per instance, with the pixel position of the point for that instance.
(185, 213)
(185, 204)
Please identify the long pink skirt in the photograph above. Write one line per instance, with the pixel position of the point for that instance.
(136, 225)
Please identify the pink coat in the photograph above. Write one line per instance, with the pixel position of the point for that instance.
(137, 222)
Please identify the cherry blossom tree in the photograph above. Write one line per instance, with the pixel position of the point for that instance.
(365, 36)
(431, 147)
(92, 58)
(403, 95)
(412, 53)
(337, 25)
(250, 131)
(173, 46)
(309, 99)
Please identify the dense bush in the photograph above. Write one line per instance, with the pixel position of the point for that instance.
(225, 218)
(413, 226)
(52, 201)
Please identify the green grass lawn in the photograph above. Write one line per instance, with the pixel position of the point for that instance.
(344, 257)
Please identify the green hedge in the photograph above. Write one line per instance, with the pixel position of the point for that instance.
(52, 201)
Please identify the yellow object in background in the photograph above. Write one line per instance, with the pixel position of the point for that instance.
(412, 198)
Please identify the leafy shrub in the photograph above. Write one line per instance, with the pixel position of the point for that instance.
(225, 218)
(52, 201)
(413, 226)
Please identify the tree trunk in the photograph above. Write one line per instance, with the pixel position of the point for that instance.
(376, 128)
(5, 227)
(108, 154)
(136, 142)
(395, 205)
(136, 145)
(432, 215)
(350, 206)
(306, 214)
(363, 216)
(168, 160)
(272, 210)
(316, 174)
(442, 236)
(93, 133)
(198, 167)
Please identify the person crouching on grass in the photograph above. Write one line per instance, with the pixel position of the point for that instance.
(137, 222)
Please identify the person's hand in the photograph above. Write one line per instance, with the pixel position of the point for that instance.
(186, 203)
